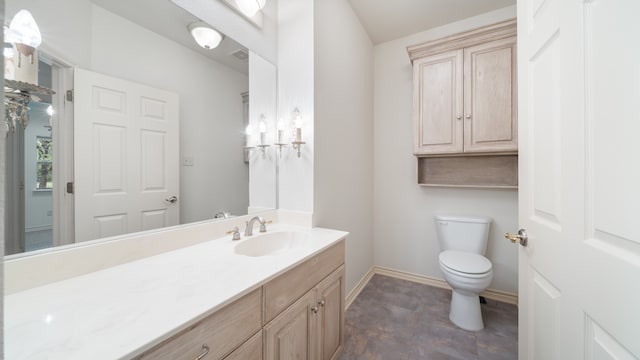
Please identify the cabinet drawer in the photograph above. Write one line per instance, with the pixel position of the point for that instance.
(290, 286)
(221, 332)
(250, 350)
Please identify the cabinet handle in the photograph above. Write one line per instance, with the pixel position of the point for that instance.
(205, 351)
(321, 302)
(468, 116)
(459, 117)
(314, 309)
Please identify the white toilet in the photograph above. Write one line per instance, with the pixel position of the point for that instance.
(463, 241)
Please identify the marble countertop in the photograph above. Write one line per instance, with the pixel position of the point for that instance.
(124, 310)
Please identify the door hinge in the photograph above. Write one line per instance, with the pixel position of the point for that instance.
(70, 188)
(69, 95)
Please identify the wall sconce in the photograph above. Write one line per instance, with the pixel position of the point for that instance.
(297, 122)
(248, 132)
(280, 141)
(262, 128)
(24, 33)
(205, 35)
(22, 37)
(21, 76)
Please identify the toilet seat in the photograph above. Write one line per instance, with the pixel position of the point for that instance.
(465, 263)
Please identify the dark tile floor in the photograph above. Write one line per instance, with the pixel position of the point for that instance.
(393, 319)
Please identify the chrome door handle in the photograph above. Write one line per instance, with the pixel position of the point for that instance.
(521, 237)
(171, 199)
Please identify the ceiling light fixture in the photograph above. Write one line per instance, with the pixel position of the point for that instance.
(205, 35)
(250, 7)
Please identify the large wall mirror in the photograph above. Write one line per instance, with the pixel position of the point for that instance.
(152, 136)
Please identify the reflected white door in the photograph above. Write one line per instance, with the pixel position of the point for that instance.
(125, 158)
(579, 199)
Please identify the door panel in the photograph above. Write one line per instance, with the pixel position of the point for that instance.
(438, 102)
(124, 165)
(578, 84)
(331, 300)
(490, 122)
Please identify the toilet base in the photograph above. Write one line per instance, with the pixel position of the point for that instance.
(465, 311)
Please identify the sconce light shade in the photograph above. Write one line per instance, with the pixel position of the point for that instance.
(250, 7)
(204, 35)
(24, 30)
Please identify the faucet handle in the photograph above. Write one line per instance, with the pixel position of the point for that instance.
(235, 232)
(263, 225)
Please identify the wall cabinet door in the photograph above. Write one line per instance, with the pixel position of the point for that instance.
(438, 103)
(490, 97)
(330, 299)
(465, 100)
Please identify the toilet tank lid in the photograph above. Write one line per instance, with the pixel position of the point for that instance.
(469, 219)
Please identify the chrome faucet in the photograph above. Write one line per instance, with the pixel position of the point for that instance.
(248, 231)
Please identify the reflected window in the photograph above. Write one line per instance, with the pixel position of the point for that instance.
(44, 167)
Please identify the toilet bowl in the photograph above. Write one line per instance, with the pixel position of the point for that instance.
(463, 241)
(466, 283)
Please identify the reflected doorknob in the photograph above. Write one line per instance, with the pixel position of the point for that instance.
(520, 238)
(171, 199)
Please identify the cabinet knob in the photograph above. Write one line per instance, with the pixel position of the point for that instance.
(321, 302)
(468, 116)
(205, 351)
(314, 309)
(459, 117)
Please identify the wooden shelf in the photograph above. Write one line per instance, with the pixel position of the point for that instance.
(485, 171)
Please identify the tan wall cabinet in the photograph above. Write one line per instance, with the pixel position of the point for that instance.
(465, 93)
(465, 108)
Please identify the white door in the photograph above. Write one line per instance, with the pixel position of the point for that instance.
(125, 158)
(579, 89)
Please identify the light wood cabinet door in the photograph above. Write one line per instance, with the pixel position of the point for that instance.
(490, 123)
(438, 103)
(330, 297)
(292, 334)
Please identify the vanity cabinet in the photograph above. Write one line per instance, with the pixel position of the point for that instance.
(465, 105)
(312, 328)
(296, 315)
(222, 332)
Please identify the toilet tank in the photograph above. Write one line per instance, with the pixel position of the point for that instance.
(463, 233)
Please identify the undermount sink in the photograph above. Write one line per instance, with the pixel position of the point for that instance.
(271, 243)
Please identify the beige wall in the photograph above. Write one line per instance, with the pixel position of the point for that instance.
(343, 183)
(403, 223)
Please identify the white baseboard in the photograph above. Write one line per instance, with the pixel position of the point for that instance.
(358, 288)
(497, 295)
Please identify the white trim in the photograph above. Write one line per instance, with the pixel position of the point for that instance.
(497, 295)
(29, 229)
(353, 294)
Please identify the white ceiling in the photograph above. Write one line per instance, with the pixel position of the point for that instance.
(386, 20)
(168, 20)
